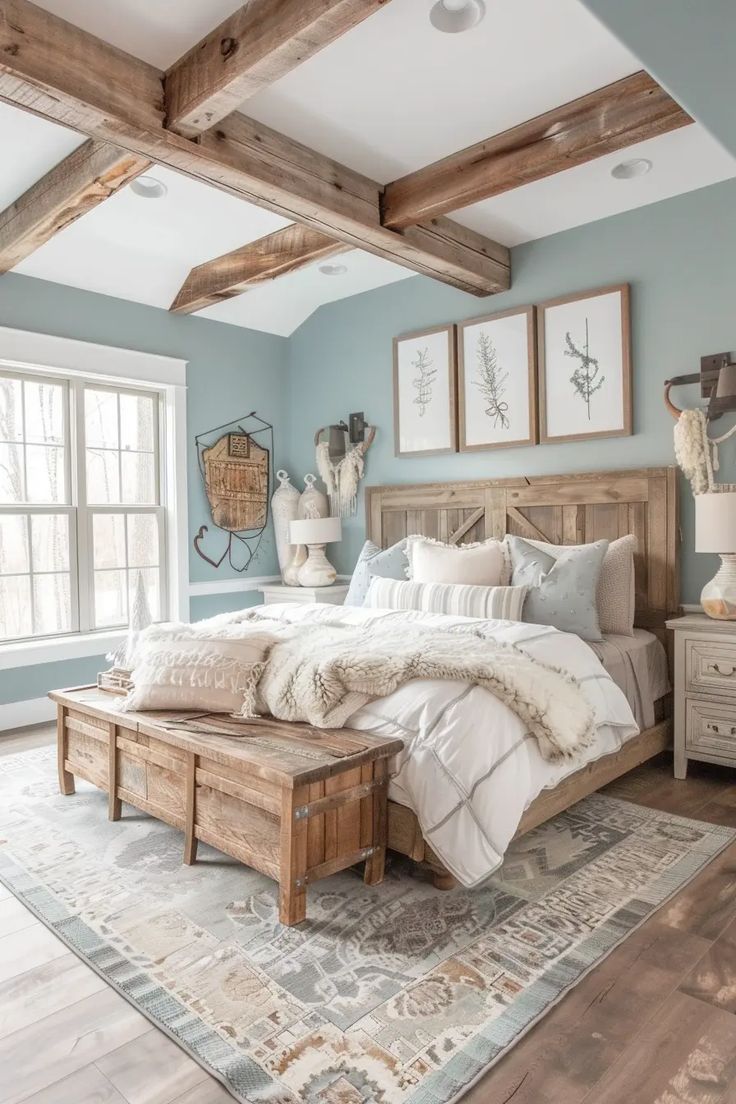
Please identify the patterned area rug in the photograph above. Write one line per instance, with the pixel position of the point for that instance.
(396, 994)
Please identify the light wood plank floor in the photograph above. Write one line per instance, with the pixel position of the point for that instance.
(653, 1024)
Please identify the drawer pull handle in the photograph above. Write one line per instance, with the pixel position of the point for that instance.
(726, 674)
(716, 729)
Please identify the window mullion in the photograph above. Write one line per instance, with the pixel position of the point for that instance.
(29, 538)
(84, 521)
(24, 469)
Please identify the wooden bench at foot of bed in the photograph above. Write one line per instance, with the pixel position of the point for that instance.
(294, 802)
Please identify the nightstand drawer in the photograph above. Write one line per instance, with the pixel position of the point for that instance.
(710, 667)
(711, 728)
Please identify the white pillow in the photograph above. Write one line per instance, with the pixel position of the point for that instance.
(616, 593)
(502, 602)
(182, 667)
(431, 561)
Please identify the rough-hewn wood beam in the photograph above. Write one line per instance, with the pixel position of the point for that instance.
(52, 68)
(612, 118)
(284, 251)
(45, 60)
(260, 42)
(88, 176)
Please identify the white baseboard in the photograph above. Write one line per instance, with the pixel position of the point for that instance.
(22, 713)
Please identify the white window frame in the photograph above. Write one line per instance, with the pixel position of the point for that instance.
(43, 355)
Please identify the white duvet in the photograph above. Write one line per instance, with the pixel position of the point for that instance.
(469, 769)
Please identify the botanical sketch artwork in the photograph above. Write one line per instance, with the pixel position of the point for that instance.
(491, 381)
(585, 365)
(497, 380)
(586, 378)
(425, 377)
(424, 392)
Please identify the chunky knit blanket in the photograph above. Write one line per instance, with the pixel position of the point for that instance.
(322, 674)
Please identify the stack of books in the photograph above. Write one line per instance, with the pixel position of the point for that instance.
(116, 680)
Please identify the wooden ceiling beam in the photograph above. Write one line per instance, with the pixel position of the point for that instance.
(58, 71)
(259, 43)
(612, 118)
(284, 251)
(87, 177)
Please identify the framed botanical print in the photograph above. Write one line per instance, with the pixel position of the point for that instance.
(585, 365)
(497, 381)
(424, 392)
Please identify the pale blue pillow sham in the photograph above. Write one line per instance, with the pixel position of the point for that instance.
(386, 563)
(562, 589)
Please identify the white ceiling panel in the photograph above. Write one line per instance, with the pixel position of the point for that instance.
(395, 94)
(683, 160)
(280, 306)
(31, 147)
(158, 31)
(143, 249)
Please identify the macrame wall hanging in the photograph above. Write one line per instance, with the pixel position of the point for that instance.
(696, 450)
(341, 465)
(235, 464)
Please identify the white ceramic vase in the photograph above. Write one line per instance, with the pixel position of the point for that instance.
(312, 502)
(284, 510)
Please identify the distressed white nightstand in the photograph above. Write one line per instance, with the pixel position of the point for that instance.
(331, 595)
(705, 691)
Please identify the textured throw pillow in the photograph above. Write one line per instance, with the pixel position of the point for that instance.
(387, 563)
(502, 602)
(616, 595)
(182, 667)
(432, 561)
(563, 589)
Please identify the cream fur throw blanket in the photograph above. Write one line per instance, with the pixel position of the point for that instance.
(323, 673)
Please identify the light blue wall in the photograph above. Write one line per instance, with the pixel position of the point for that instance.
(678, 257)
(230, 371)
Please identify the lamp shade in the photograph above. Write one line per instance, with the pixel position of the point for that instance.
(715, 522)
(315, 531)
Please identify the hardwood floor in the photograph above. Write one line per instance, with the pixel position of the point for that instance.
(655, 1023)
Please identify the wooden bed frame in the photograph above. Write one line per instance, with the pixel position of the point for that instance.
(566, 509)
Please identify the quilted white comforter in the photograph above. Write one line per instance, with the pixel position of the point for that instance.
(469, 769)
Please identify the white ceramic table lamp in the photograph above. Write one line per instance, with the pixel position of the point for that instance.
(715, 531)
(316, 533)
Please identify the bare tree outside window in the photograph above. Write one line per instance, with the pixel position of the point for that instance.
(114, 511)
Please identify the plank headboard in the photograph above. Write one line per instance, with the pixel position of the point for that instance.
(562, 509)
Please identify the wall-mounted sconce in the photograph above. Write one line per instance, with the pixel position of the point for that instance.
(717, 379)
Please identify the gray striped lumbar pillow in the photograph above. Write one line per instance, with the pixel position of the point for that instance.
(502, 602)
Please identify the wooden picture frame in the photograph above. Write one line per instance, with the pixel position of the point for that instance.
(429, 353)
(609, 376)
(500, 413)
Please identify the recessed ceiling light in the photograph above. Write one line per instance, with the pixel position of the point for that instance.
(148, 187)
(627, 170)
(453, 16)
(333, 269)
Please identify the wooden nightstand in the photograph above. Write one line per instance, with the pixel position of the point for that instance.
(332, 595)
(705, 691)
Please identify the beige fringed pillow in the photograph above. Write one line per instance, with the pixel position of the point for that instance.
(616, 593)
(432, 561)
(182, 667)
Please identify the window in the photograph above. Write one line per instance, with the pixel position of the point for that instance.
(81, 514)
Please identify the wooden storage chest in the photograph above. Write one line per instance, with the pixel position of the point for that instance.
(295, 802)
